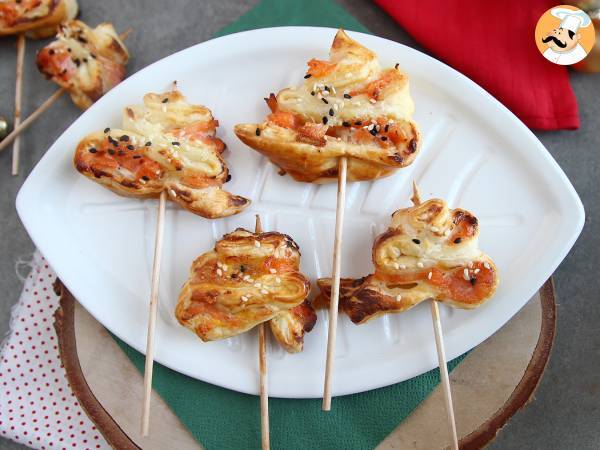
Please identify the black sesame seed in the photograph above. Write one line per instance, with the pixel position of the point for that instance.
(331, 112)
(228, 178)
(130, 147)
(326, 88)
(258, 131)
(51, 51)
(383, 138)
(416, 241)
(358, 123)
(345, 124)
(325, 101)
(148, 144)
(242, 268)
(396, 66)
(145, 178)
(106, 130)
(324, 120)
(386, 128)
(92, 150)
(165, 100)
(347, 96)
(82, 40)
(457, 240)
(312, 93)
(175, 143)
(93, 56)
(124, 138)
(77, 62)
(69, 50)
(85, 60)
(308, 75)
(373, 131)
(473, 280)
(137, 156)
(111, 151)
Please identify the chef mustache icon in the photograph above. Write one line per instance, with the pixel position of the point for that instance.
(557, 41)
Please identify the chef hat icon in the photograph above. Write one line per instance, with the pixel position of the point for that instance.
(570, 19)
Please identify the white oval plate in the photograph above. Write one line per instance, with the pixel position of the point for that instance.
(475, 154)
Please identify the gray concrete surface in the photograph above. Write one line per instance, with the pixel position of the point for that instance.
(566, 410)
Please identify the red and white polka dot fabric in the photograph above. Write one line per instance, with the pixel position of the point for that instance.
(37, 407)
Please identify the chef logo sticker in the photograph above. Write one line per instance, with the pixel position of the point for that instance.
(564, 35)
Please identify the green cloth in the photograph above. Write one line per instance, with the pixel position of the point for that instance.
(223, 419)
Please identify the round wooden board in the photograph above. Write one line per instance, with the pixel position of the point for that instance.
(494, 381)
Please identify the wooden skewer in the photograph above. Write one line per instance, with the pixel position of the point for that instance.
(439, 344)
(335, 286)
(18, 95)
(262, 365)
(19, 126)
(152, 316)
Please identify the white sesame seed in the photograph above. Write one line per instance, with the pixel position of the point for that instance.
(335, 107)
(333, 89)
(370, 127)
(219, 272)
(257, 285)
(256, 244)
(172, 193)
(447, 232)
(264, 291)
(396, 251)
(402, 266)
(246, 278)
(434, 229)
(466, 274)
(420, 265)
(396, 266)
(470, 264)
(348, 75)
(429, 275)
(272, 270)
(164, 108)
(372, 100)
(244, 298)
(219, 264)
(477, 271)
(398, 297)
(324, 93)
(486, 265)
(224, 267)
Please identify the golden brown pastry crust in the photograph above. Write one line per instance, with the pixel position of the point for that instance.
(428, 252)
(86, 62)
(165, 144)
(37, 18)
(248, 278)
(289, 327)
(347, 106)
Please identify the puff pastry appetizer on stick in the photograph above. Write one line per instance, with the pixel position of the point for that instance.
(167, 148)
(349, 120)
(34, 19)
(429, 252)
(86, 62)
(249, 279)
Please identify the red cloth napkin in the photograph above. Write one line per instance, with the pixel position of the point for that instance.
(493, 44)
